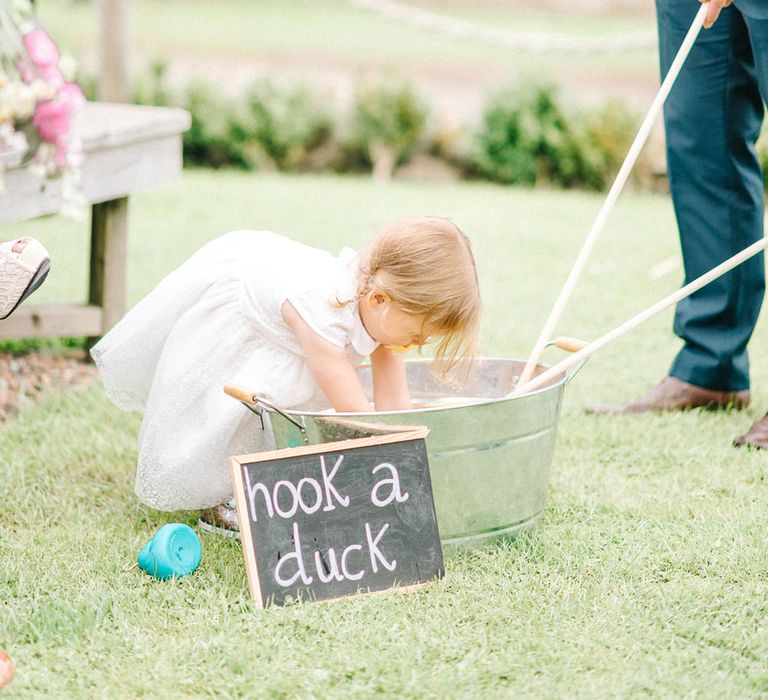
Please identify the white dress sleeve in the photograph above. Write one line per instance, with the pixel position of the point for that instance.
(317, 296)
(319, 310)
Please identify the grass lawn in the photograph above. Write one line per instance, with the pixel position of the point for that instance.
(647, 576)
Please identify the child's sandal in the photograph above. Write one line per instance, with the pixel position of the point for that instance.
(220, 520)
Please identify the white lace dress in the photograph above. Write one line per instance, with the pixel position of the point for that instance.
(215, 321)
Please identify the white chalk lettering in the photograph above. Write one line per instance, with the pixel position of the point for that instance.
(394, 483)
(296, 554)
(294, 497)
(375, 553)
(331, 566)
(330, 490)
(327, 492)
(252, 497)
(352, 577)
(318, 495)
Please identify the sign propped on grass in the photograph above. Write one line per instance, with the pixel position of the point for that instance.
(331, 520)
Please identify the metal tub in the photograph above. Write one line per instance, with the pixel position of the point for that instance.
(489, 454)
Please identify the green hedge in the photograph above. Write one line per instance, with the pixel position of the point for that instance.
(528, 134)
(388, 125)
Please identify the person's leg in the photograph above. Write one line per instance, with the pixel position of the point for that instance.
(712, 118)
(757, 435)
(24, 265)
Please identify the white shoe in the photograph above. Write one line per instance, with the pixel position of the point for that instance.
(24, 265)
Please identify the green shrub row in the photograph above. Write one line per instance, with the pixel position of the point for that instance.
(527, 135)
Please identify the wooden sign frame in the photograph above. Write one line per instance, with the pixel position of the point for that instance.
(414, 534)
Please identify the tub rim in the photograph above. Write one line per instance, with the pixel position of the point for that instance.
(428, 409)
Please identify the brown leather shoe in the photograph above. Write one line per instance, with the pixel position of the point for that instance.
(221, 520)
(673, 394)
(756, 436)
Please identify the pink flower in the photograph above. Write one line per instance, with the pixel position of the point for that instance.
(73, 95)
(41, 48)
(53, 118)
(51, 74)
(43, 55)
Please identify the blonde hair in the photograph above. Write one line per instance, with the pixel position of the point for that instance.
(425, 265)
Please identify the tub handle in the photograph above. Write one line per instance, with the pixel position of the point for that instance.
(570, 344)
(254, 402)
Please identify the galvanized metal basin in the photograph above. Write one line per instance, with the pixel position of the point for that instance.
(489, 454)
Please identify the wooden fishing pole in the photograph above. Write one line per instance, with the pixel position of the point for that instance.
(613, 194)
(634, 322)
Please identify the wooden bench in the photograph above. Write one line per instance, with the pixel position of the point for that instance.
(128, 148)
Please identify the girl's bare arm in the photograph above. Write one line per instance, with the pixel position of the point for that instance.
(329, 364)
(390, 386)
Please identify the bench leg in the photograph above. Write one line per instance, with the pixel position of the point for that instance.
(109, 250)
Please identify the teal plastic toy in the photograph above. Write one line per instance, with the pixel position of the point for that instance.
(175, 550)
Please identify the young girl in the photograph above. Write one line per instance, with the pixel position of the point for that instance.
(288, 321)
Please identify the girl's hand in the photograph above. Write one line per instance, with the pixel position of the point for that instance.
(390, 386)
(329, 364)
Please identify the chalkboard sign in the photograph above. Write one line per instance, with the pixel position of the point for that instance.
(324, 521)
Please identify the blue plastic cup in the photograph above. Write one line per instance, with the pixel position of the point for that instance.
(175, 550)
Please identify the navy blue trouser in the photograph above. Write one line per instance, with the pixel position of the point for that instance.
(712, 119)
